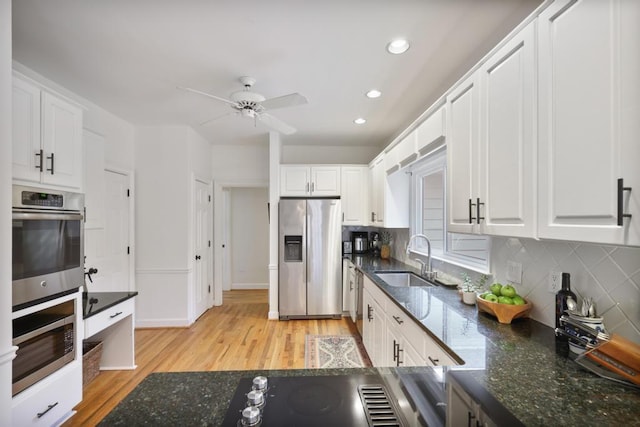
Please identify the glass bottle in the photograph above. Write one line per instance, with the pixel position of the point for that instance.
(561, 301)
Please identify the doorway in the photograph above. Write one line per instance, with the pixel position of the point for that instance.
(247, 234)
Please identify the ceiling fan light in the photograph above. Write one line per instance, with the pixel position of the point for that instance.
(360, 121)
(373, 93)
(398, 46)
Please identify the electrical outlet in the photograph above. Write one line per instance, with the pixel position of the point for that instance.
(555, 281)
(514, 272)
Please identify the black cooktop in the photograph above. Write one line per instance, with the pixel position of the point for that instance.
(307, 401)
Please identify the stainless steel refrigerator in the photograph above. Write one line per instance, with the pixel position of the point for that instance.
(310, 261)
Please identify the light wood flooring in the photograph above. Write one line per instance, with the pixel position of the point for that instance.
(234, 336)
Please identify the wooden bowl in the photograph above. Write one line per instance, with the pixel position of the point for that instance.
(504, 312)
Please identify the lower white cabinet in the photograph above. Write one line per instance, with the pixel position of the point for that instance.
(392, 337)
(49, 402)
(463, 410)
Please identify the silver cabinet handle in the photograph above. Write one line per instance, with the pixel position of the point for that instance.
(40, 155)
(52, 161)
(313, 187)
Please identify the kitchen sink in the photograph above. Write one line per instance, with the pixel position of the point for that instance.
(403, 279)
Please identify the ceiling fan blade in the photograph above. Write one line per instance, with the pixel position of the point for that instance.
(276, 124)
(206, 122)
(290, 100)
(199, 92)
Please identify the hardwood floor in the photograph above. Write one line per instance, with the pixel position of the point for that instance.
(234, 336)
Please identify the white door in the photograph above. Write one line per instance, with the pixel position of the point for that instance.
(117, 242)
(202, 241)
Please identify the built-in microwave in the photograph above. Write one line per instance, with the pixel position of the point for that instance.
(47, 245)
(46, 341)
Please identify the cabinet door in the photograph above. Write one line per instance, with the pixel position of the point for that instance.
(346, 294)
(26, 131)
(580, 125)
(295, 181)
(325, 181)
(61, 142)
(379, 334)
(377, 192)
(367, 324)
(461, 410)
(354, 195)
(508, 150)
(462, 159)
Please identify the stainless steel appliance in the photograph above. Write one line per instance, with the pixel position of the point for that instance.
(310, 264)
(360, 242)
(45, 341)
(341, 400)
(47, 245)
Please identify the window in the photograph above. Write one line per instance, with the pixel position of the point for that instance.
(428, 200)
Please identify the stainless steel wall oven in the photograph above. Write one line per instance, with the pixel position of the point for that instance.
(47, 244)
(46, 341)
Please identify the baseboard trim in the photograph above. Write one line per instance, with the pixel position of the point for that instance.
(249, 286)
(274, 315)
(162, 323)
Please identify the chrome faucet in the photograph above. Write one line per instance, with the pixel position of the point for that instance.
(427, 272)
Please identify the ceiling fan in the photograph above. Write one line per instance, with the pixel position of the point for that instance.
(253, 105)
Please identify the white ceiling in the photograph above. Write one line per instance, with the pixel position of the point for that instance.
(128, 56)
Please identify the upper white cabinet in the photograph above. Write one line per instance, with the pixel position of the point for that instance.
(463, 105)
(309, 181)
(47, 137)
(354, 195)
(401, 154)
(389, 199)
(431, 132)
(589, 127)
(491, 150)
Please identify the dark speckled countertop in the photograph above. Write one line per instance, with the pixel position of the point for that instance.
(517, 365)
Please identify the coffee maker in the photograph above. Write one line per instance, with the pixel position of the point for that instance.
(360, 242)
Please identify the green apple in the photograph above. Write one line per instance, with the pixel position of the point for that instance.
(505, 300)
(508, 291)
(518, 300)
(495, 288)
(491, 297)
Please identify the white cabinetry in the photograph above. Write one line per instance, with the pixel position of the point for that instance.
(462, 409)
(354, 195)
(309, 181)
(491, 145)
(389, 196)
(401, 154)
(431, 132)
(50, 401)
(589, 132)
(47, 137)
(392, 337)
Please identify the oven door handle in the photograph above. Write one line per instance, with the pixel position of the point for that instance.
(28, 214)
(51, 326)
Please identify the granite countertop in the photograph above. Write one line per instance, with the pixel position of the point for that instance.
(520, 364)
(95, 302)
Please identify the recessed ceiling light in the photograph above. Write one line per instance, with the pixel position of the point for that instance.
(360, 121)
(374, 93)
(398, 46)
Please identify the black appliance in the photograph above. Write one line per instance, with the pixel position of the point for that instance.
(342, 400)
(46, 342)
(47, 244)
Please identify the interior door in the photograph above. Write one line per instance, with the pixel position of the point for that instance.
(117, 244)
(201, 248)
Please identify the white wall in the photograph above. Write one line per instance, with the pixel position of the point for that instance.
(238, 164)
(339, 154)
(249, 238)
(6, 350)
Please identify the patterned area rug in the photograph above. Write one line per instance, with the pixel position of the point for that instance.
(335, 351)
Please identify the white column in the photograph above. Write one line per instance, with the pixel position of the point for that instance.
(275, 148)
(7, 352)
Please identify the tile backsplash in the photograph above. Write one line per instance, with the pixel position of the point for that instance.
(608, 274)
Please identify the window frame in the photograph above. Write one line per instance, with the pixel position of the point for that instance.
(432, 163)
